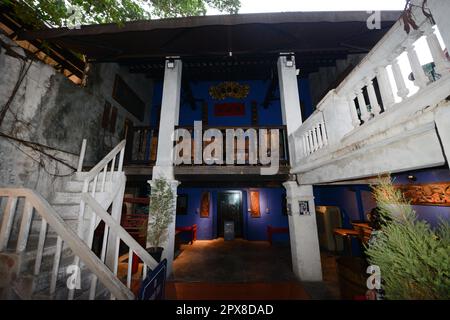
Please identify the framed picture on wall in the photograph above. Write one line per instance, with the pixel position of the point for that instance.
(182, 204)
(303, 208)
(255, 211)
(205, 204)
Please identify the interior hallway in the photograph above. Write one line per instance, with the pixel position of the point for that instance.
(241, 269)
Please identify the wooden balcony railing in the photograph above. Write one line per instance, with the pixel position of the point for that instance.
(142, 144)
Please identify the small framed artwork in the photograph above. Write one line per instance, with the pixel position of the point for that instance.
(255, 211)
(303, 208)
(205, 204)
(182, 204)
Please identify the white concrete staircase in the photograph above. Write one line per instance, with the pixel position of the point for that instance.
(40, 240)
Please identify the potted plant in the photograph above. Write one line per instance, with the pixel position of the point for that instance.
(161, 215)
(413, 257)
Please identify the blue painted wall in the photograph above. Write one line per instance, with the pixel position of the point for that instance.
(428, 213)
(254, 228)
(356, 200)
(266, 116)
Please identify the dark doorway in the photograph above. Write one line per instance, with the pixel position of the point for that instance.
(229, 208)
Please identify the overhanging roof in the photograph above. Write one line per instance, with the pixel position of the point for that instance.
(305, 33)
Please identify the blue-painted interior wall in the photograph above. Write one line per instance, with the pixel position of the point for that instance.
(258, 88)
(355, 201)
(253, 228)
(432, 214)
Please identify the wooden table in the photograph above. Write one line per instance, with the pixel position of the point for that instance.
(364, 230)
(346, 234)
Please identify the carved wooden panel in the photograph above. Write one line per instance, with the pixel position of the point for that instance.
(429, 194)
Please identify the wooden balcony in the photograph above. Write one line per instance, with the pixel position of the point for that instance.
(142, 145)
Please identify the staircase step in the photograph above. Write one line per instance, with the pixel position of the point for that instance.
(67, 211)
(77, 186)
(80, 176)
(29, 286)
(74, 197)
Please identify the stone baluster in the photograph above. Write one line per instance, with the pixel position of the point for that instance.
(402, 90)
(442, 65)
(305, 145)
(353, 112)
(386, 91)
(313, 139)
(365, 115)
(420, 79)
(319, 136)
(308, 137)
(376, 109)
(324, 133)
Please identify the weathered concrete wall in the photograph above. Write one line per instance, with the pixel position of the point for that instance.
(51, 110)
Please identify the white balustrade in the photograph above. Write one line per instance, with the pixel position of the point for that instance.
(314, 135)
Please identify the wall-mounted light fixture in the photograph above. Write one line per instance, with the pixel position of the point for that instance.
(289, 61)
(170, 64)
(412, 178)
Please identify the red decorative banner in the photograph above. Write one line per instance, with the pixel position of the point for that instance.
(229, 109)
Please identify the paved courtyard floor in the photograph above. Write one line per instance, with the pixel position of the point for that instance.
(241, 269)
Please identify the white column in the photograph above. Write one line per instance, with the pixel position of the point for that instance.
(387, 93)
(420, 79)
(365, 115)
(442, 65)
(303, 233)
(376, 109)
(289, 97)
(170, 107)
(402, 90)
(353, 112)
(440, 9)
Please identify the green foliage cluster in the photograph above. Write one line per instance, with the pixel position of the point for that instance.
(56, 12)
(161, 212)
(414, 258)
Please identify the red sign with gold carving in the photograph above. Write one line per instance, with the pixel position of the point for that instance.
(229, 109)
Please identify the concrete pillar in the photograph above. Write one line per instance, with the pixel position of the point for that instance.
(289, 97)
(305, 249)
(441, 11)
(170, 108)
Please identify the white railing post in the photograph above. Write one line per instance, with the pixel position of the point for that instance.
(25, 224)
(122, 154)
(420, 80)
(81, 158)
(319, 136)
(386, 91)
(305, 146)
(353, 112)
(402, 90)
(365, 115)
(375, 106)
(7, 222)
(442, 65)
(324, 133)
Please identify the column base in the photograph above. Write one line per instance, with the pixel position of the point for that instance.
(303, 233)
